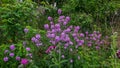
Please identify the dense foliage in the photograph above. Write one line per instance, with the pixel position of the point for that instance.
(37, 34)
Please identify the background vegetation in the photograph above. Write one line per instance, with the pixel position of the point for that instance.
(90, 15)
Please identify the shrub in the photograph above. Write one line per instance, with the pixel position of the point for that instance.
(98, 13)
(14, 17)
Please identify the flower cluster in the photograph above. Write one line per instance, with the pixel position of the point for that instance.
(94, 38)
(36, 40)
(87, 38)
(28, 49)
(61, 33)
(56, 33)
(10, 53)
(78, 37)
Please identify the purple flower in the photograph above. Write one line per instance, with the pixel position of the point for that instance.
(91, 38)
(65, 47)
(66, 44)
(99, 36)
(26, 30)
(76, 46)
(24, 61)
(6, 51)
(53, 42)
(48, 35)
(82, 41)
(77, 27)
(94, 39)
(77, 40)
(102, 42)
(46, 26)
(52, 35)
(63, 34)
(11, 54)
(49, 49)
(70, 42)
(36, 41)
(71, 27)
(38, 44)
(5, 59)
(63, 56)
(66, 39)
(97, 47)
(58, 30)
(80, 44)
(67, 19)
(53, 30)
(60, 21)
(51, 23)
(81, 35)
(28, 49)
(86, 38)
(50, 18)
(33, 39)
(59, 11)
(61, 17)
(24, 43)
(71, 60)
(17, 58)
(71, 49)
(37, 36)
(57, 26)
(106, 37)
(78, 57)
(89, 44)
(68, 30)
(30, 55)
(118, 54)
(86, 32)
(52, 26)
(12, 47)
(74, 35)
(65, 23)
(57, 38)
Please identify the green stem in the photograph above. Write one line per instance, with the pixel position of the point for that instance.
(113, 47)
(59, 55)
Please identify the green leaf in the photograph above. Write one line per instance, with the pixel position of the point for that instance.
(52, 65)
(63, 61)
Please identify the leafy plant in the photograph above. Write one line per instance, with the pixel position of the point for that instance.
(99, 12)
(14, 17)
